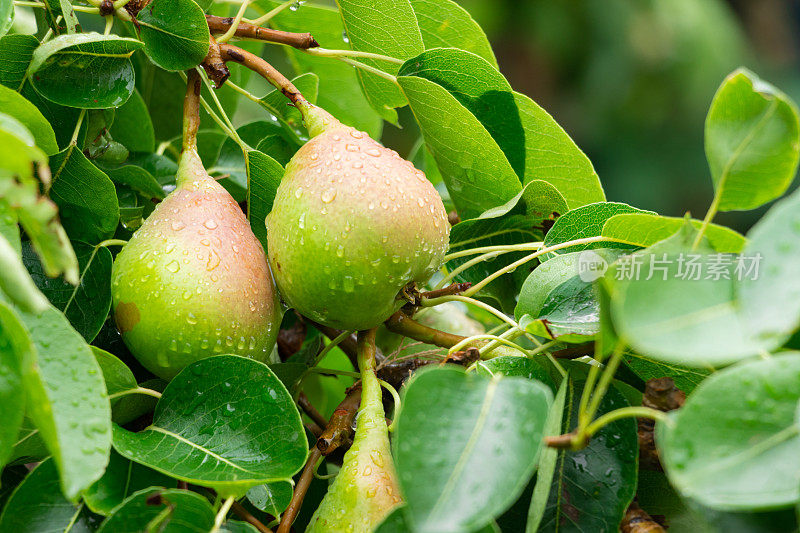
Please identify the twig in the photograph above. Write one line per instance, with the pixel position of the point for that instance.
(340, 427)
(310, 410)
(454, 288)
(215, 67)
(245, 515)
(300, 491)
(404, 325)
(265, 70)
(245, 30)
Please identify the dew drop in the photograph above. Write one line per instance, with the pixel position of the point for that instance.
(328, 195)
(178, 225)
(173, 266)
(210, 223)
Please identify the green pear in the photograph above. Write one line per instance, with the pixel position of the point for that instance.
(193, 281)
(352, 224)
(366, 488)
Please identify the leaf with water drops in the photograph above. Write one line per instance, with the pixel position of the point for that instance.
(515, 366)
(132, 125)
(752, 139)
(17, 359)
(583, 222)
(86, 198)
(209, 428)
(641, 229)
(557, 300)
(85, 70)
(68, 400)
(121, 479)
(174, 32)
(473, 166)
(465, 445)
(160, 509)
(592, 487)
(38, 506)
(389, 28)
(738, 425)
(717, 309)
(86, 305)
(272, 498)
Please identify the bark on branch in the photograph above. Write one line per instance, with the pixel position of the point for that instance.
(245, 30)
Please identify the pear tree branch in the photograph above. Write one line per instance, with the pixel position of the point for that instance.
(245, 30)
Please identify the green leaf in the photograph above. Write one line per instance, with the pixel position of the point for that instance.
(473, 166)
(37, 506)
(264, 175)
(121, 479)
(276, 103)
(67, 400)
(514, 366)
(64, 120)
(212, 415)
(388, 28)
(175, 33)
(453, 470)
(737, 425)
(272, 498)
(478, 86)
(717, 309)
(86, 304)
(592, 487)
(548, 460)
(85, 70)
(557, 300)
(769, 303)
(585, 221)
(136, 178)
(15, 281)
(158, 509)
(445, 24)
(339, 87)
(752, 142)
(17, 359)
(685, 378)
(14, 104)
(119, 378)
(6, 16)
(132, 125)
(513, 229)
(53, 9)
(16, 52)
(86, 198)
(643, 230)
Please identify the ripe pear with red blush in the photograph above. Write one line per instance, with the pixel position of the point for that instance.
(352, 225)
(193, 281)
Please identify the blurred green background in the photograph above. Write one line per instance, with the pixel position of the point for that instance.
(631, 81)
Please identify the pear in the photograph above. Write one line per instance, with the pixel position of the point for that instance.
(366, 489)
(193, 281)
(352, 225)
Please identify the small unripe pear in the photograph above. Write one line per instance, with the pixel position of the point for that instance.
(193, 281)
(352, 224)
(365, 489)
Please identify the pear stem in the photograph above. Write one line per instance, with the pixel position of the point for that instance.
(191, 110)
(266, 71)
